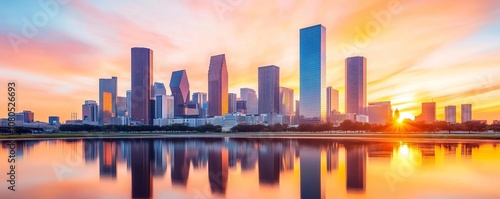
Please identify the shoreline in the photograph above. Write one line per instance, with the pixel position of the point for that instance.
(265, 135)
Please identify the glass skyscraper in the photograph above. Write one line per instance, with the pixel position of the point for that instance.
(250, 96)
(355, 82)
(217, 86)
(142, 85)
(107, 100)
(269, 90)
(179, 86)
(313, 73)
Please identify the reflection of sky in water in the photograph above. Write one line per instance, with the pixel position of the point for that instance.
(246, 168)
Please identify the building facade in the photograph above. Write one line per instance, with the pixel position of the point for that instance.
(428, 114)
(269, 90)
(231, 100)
(466, 112)
(90, 112)
(355, 82)
(332, 101)
(450, 114)
(379, 112)
(249, 95)
(313, 73)
(141, 84)
(179, 86)
(107, 100)
(286, 100)
(217, 86)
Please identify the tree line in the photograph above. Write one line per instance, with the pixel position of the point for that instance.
(347, 125)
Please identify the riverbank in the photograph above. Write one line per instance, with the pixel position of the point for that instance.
(261, 135)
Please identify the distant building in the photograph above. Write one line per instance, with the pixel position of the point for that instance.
(355, 82)
(201, 99)
(249, 95)
(231, 100)
(107, 100)
(141, 84)
(332, 101)
(466, 112)
(286, 99)
(496, 122)
(217, 86)
(90, 112)
(164, 107)
(269, 90)
(362, 118)
(129, 102)
(379, 112)
(54, 120)
(179, 86)
(241, 106)
(121, 107)
(450, 114)
(428, 114)
(313, 73)
(29, 116)
(159, 89)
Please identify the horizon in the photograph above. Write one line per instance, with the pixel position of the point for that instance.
(467, 50)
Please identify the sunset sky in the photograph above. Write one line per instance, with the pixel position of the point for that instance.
(417, 51)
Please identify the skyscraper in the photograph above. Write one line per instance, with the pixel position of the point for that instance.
(313, 72)
(142, 84)
(107, 100)
(450, 114)
(332, 101)
(121, 106)
(179, 86)
(379, 112)
(241, 106)
(164, 106)
(217, 86)
(355, 82)
(250, 96)
(159, 89)
(428, 112)
(286, 101)
(201, 99)
(90, 112)
(269, 90)
(466, 112)
(129, 102)
(231, 98)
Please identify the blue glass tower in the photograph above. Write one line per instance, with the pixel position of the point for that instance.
(313, 73)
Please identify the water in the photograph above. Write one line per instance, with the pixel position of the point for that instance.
(253, 168)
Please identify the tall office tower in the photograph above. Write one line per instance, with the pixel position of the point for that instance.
(200, 99)
(313, 73)
(450, 114)
(231, 100)
(269, 90)
(159, 89)
(90, 112)
(164, 106)
(107, 100)
(286, 101)
(355, 82)
(466, 112)
(379, 112)
(332, 101)
(142, 84)
(428, 112)
(250, 96)
(129, 103)
(121, 106)
(179, 86)
(217, 86)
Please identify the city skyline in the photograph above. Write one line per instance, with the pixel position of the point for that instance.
(405, 86)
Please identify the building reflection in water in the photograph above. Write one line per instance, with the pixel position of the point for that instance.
(218, 169)
(159, 158)
(142, 181)
(269, 163)
(288, 154)
(179, 169)
(311, 183)
(249, 159)
(355, 167)
(332, 157)
(107, 159)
